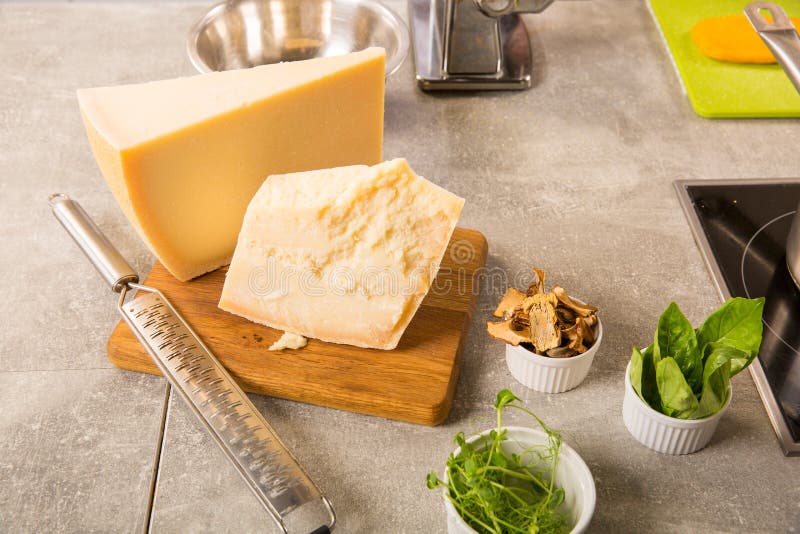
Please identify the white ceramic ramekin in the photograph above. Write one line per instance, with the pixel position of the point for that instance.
(662, 433)
(551, 375)
(572, 474)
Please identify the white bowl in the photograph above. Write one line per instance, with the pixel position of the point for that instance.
(662, 433)
(551, 375)
(572, 474)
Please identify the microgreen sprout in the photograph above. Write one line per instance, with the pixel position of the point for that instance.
(495, 491)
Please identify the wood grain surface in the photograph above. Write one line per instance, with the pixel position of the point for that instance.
(414, 382)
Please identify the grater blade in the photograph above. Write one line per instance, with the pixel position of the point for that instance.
(273, 474)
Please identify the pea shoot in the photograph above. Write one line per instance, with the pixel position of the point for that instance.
(495, 491)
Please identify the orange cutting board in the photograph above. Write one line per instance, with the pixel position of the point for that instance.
(414, 382)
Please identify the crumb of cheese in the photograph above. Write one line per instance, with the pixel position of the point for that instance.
(289, 341)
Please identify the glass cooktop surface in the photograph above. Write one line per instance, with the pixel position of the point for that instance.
(741, 226)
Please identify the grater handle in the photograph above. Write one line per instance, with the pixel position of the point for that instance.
(103, 255)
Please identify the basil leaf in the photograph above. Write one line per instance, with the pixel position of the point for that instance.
(643, 376)
(739, 359)
(716, 384)
(637, 363)
(737, 323)
(676, 337)
(677, 398)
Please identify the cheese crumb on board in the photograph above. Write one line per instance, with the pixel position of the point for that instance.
(344, 255)
(289, 340)
(183, 157)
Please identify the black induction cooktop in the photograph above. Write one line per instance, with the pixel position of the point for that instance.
(741, 227)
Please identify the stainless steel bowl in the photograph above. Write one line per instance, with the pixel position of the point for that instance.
(245, 33)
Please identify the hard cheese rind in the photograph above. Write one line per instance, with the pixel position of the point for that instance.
(344, 255)
(184, 157)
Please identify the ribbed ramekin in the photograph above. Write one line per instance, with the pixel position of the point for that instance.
(662, 433)
(551, 375)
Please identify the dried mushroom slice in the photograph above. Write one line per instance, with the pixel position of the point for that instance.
(587, 330)
(527, 304)
(584, 310)
(504, 331)
(520, 320)
(511, 300)
(570, 334)
(561, 352)
(545, 335)
(537, 285)
(575, 335)
(566, 317)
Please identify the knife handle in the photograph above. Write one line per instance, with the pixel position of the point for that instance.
(116, 271)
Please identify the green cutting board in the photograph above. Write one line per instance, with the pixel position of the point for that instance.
(719, 89)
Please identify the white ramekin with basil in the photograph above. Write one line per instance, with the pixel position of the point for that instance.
(677, 388)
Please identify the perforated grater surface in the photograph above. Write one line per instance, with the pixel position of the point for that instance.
(272, 473)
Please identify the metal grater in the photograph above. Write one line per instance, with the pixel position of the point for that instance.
(272, 473)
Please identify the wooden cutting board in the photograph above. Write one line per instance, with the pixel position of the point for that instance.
(719, 89)
(414, 382)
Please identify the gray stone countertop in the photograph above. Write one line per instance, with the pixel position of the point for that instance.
(574, 176)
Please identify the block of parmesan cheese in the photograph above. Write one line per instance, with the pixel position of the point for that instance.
(183, 157)
(344, 255)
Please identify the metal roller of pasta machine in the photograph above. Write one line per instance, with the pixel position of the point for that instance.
(472, 44)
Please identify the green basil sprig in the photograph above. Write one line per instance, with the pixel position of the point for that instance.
(685, 373)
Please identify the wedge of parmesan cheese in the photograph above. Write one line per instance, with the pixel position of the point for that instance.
(344, 255)
(183, 157)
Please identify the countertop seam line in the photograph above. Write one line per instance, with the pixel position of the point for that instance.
(157, 459)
